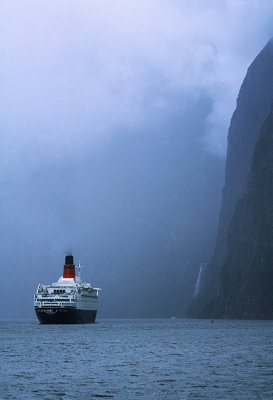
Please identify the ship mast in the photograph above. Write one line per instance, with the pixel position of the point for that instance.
(79, 271)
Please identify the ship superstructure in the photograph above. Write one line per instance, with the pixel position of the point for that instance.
(68, 301)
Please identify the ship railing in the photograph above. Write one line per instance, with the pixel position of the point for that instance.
(53, 299)
(53, 303)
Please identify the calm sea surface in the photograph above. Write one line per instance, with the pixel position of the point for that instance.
(137, 359)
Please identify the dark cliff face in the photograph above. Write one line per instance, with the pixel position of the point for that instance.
(247, 276)
(253, 105)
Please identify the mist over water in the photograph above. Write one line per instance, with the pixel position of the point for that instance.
(113, 134)
(122, 214)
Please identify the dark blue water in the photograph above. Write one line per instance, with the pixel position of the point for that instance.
(137, 359)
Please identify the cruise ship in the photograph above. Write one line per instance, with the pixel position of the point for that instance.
(68, 301)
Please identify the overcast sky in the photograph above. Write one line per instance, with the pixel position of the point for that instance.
(109, 103)
(74, 72)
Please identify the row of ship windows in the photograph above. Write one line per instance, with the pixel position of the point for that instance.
(46, 300)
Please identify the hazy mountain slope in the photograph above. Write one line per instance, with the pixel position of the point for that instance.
(247, 277)
(253, 105)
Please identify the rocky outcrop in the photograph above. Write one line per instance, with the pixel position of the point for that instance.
(247, 277)
(253, 105)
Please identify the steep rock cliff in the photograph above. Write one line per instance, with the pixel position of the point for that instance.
(253, 105)
(247, 277)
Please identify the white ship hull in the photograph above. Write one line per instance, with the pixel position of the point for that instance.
(68, 301)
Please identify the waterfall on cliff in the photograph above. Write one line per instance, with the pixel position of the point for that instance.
(197, 286)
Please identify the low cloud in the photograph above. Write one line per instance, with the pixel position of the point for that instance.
(113, 121)
(76, 72)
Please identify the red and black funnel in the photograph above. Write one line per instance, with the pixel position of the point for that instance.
(69, 267)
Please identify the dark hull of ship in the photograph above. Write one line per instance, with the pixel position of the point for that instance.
(65, 316)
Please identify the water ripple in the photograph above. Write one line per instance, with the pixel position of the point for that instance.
(137, 359)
